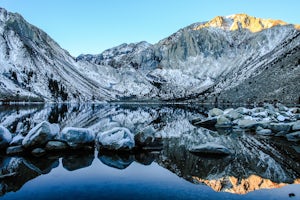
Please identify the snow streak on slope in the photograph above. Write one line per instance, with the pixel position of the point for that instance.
(208, 61)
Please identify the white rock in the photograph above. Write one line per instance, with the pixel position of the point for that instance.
(116, 139)
(280, 118)
(77, 137)
(40, 134)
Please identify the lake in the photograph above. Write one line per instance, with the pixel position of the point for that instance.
(260, 168)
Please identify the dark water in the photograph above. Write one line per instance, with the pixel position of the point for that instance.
(260, 168)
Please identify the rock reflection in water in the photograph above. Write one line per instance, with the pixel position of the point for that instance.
(256, 162)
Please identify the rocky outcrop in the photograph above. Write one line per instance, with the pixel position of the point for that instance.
(277, 121)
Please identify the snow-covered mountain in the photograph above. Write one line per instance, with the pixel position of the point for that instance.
(237, 58)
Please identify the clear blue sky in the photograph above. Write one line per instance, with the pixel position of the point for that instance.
(91, 26)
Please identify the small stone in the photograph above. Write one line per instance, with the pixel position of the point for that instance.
(264, 132)
(13, 150)
(38, 152)
(278, 127)
(247, 123)
(243, 111)
(295, 137)
(281, 118)
(296, 126)
(215, 112)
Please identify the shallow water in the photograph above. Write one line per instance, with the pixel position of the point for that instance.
(260, 167)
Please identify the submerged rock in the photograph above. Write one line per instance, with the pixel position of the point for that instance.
(77, 137)
(40, 135)
(78, 161)
(5, 137)
(210, 149)
(118, 138)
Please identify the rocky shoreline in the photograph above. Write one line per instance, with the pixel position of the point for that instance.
(269, 120)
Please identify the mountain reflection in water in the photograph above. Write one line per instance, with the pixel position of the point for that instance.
(257, 162)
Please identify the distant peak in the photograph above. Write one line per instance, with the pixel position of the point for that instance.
(242, 21)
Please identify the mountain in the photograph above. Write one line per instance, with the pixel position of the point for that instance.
(238, 58)
(228, 59)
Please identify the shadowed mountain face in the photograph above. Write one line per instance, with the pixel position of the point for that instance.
(256, 162)
(228, 59)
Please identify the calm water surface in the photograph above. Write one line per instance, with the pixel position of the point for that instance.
(260, 168)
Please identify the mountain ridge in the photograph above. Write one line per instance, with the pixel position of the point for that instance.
(197, 63)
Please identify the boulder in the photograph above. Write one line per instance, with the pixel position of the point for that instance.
(148, 139)
(223, 121)
(280, 127)
(295, 137)
(247, 123)
(210, 149)
(233, 115)
(118, 138)
(40, 135)
(5, 137)
(215, 112)
(17, 140)
(243, 111)
(77, 137)
(296, 126)
(56, 146)
(13, 150)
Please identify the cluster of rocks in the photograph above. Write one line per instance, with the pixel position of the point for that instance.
(270, 120)
(46, 137)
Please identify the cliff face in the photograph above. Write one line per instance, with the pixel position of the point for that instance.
(228, 59)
